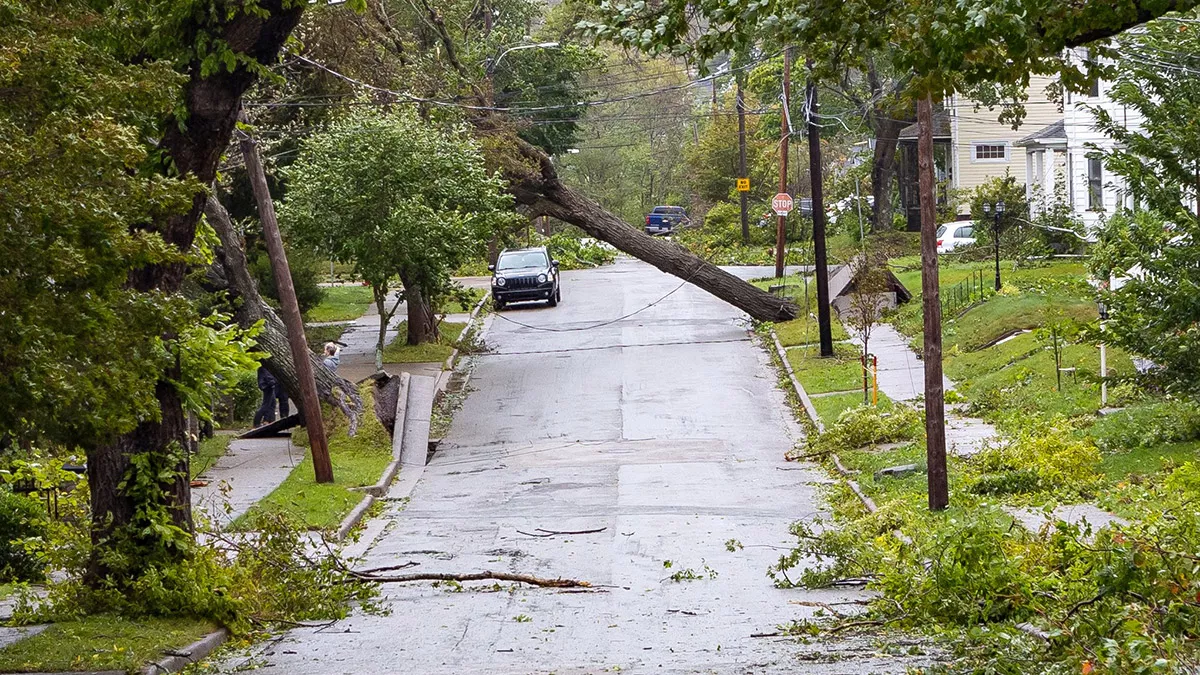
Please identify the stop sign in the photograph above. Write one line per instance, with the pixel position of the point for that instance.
(782, 203)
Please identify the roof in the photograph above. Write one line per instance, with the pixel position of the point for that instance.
(1055, 133)
(941, 127)
(524, 250)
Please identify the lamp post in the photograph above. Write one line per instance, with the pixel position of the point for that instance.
(997, 212)
(1103, 360)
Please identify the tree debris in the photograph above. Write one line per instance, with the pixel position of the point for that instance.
(479, 576)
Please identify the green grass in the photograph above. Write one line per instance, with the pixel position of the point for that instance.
(317, 336)
(1140, 463)
(341, 303)
(803, 330)
(456, 307)
(211, 449)
(829, 407)
(399, 352)
(101, 643)
(819, 375)
(357, 462)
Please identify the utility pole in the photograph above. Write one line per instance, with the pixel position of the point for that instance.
(935, 404)
(741, 113)
(310, 404)
(824, 328)
(784, 135)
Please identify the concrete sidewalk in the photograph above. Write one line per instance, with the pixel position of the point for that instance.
(252, 468)
(902, 378)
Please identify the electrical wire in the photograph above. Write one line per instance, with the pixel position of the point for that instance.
(546, 329)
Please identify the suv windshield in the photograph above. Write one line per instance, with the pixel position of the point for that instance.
(516, 261)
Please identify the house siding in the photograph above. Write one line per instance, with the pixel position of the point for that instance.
(972, 127)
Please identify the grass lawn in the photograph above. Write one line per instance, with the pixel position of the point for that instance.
(211, 449)
(341, 303)
(455, 307)
(399, 352)
(357, 462)
(829, 407)
(819, 375)
(101, 643)
(317, 336)
(802, 330)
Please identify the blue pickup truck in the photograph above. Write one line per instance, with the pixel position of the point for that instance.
(664, 219)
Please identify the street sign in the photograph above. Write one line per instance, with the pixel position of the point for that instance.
(782, 203)
(743, 185)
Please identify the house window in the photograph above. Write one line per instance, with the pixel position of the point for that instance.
(989, 152)
(1095, 185)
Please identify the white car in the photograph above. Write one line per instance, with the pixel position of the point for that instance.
(952, 235)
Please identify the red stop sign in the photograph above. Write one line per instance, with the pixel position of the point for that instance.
(782, 203)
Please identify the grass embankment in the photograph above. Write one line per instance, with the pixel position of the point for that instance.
(399, 352)
(101, 643)
(1117, 596)
(358, 461)
(341, 303)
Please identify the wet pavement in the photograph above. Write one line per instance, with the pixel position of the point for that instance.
(666, 433)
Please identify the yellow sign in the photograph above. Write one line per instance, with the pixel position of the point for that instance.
(743, 185)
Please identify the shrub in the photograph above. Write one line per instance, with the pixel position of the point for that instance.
(22, 520)
(1038, 459)
(869, 425)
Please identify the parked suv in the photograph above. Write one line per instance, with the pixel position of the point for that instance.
(664, 219)
(525, 274)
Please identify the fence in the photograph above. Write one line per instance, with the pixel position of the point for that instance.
(965, 293)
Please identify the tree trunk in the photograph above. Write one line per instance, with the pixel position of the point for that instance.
(194, 145)
(883, 169)
(544, 194)
(232, 273)
(422, 322)
(380, 296)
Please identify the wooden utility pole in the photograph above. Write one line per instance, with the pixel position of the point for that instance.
(784, 135)
(741, 114)
(824, 328)
(935, 405)
(310, 404)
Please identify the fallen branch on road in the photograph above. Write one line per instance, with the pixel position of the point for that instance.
(480, 576)
(367, 573)
(551, 533)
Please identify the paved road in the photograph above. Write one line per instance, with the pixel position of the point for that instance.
(665, 429)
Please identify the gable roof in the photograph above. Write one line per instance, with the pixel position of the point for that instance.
(1048, 135)
(941, 127)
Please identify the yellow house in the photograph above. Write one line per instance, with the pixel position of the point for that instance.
(971, 145)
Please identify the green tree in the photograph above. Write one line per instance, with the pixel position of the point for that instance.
(396, 197)
(1152, 253)
(120, 119)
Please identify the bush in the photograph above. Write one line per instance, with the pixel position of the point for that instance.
(870, 425)
(574, 252)
(1039, 459)
(22, 519)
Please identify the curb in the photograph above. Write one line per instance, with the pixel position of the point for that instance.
(867, 502)
(804, 399)
(381, 486)
(450, 360)
(189, 654)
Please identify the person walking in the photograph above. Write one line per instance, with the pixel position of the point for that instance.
(266, 384)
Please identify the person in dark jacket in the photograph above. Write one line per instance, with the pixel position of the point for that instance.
(266, 384)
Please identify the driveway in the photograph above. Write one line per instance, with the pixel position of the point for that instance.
(667, 431)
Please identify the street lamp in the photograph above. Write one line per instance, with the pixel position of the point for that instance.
(1103, 361)
(997, 213)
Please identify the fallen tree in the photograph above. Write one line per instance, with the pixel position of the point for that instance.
(231, 273)
(535, 183)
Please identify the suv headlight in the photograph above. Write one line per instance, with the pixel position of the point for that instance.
(499, 281)
(541, 278)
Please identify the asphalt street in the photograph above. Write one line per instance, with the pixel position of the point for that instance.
(665, 430)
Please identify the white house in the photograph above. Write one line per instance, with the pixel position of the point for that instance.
(1059, 152)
